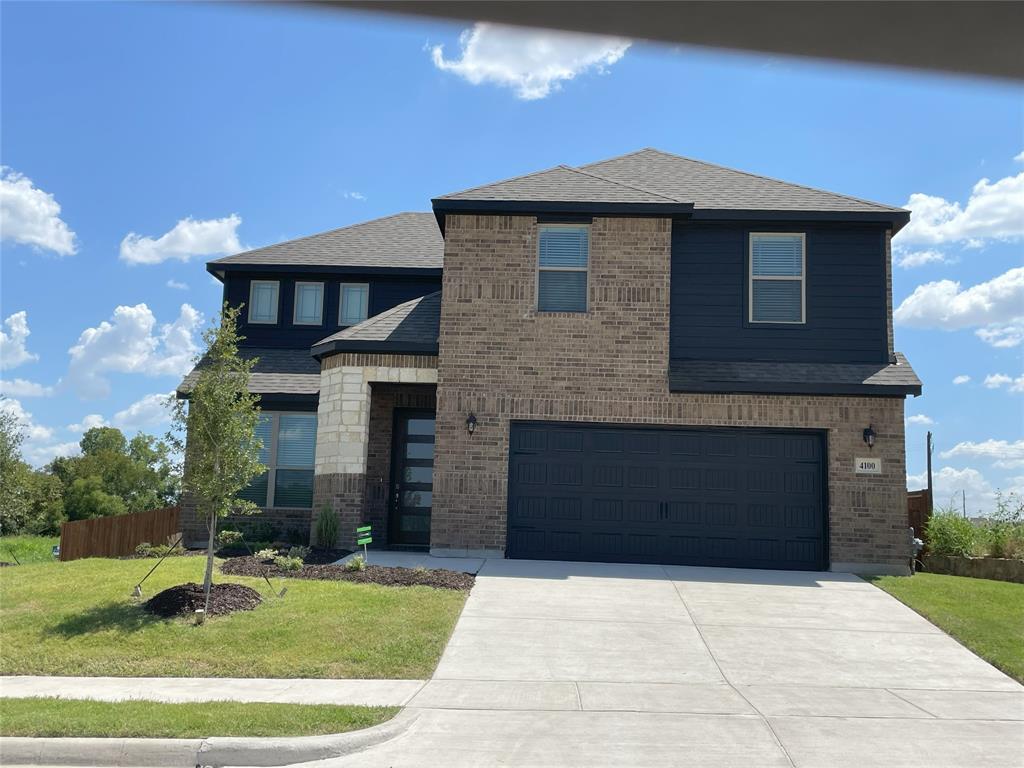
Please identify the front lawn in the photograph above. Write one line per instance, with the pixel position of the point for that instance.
(986, 616)
(133, 719)
(78, 618)
(28, 549)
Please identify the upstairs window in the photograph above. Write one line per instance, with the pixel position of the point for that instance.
(777, 266)
(309, 304)
(355, 299)
(289, 449)
(563, 259)
(263, 301)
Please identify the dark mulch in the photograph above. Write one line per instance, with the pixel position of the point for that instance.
(186, 599)
(4, 563)
(373, 574)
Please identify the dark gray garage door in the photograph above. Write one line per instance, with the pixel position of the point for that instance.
(729, 497)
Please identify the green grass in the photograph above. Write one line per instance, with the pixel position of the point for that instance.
(127, 719)
(77, 618)
(28, 549)
(986, 616)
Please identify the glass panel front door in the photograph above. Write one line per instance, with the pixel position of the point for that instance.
(412, 478)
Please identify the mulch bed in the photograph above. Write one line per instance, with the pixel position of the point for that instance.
(373, 574)
(186, 599)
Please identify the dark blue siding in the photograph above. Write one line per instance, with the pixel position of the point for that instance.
(385, 293)
(845, 289)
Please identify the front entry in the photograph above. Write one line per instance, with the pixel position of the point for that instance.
(412, 478)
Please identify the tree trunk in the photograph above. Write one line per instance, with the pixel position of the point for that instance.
(208, 578)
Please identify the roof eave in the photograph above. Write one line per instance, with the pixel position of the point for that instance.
(897, 219)
(218, 269)
(341, 346)
(799, 388)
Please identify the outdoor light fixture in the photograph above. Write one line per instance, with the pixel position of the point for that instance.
(471, 423)
(869, 436)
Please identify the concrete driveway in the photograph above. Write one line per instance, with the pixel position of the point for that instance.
(579, 664)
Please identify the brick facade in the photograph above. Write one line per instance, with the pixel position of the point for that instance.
(502, 360)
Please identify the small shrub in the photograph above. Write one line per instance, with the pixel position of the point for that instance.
(257, 530)
(357, 563)
(229, 539)
(950, 534)
(299, 553)
(286, 563)
(266, 554)
(327, 528)
(145, 549)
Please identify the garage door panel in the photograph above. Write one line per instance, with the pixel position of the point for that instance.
(738, 498)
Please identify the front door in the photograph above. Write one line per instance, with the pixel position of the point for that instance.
(412, 478)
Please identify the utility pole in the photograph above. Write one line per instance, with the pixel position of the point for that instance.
(965, 502)
(929, 448)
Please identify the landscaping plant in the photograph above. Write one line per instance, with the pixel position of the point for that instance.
(357, 563)
(222, 450)
(286, 563)
(327, 529)
(949, 533)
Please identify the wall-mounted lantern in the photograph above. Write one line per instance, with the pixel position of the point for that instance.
(471, 423)
(869, 436)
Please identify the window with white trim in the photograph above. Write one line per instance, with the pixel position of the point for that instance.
(309, 304)
(563, 257)
(777, 290)
(263, 301)
(289, 449)
(354, 304)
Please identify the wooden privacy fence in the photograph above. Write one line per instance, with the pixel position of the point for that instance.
(919, 509)
(118, 535)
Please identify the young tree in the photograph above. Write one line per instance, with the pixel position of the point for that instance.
(221, 449)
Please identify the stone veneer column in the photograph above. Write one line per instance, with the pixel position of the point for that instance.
(343, 419)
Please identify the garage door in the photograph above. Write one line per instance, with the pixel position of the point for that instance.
(728, 497)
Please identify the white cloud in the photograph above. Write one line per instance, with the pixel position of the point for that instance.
(30, 216)
(176, 285)
(23, 388)
(1020, 157)
(12, 341)
(1004, 454)
(533, 62)
(131, 342)
(998, 380)
(911, 259)
(961, 379)
(920, 419)
(1003, 335)
(150, 411)
(39, 446)
(354, 196)
(88, 422)
(949, 483)
(995, 305)
(189, 238)
(994, 211)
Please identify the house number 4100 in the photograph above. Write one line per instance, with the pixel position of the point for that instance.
(867, 466)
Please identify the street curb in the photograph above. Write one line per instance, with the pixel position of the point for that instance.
(187, 753)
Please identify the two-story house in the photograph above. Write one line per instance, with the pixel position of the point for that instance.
(646, 359)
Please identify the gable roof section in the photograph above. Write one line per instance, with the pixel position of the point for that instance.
(409, 328)
(402, 241)
(659, 183)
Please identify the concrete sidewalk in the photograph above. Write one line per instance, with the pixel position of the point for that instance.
(371, 693)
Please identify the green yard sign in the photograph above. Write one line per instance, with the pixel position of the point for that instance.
(364, 536)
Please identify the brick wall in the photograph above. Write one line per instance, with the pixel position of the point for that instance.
(502, 360)
(289, 524)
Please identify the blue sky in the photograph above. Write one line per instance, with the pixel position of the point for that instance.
(252, 125)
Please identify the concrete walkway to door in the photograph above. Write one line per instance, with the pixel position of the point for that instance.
(578, 664)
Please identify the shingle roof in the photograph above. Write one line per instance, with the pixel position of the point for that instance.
(277, 371)
(409, 240)
(412, 327)
(794, 378)
(655, 177)
(562, 184)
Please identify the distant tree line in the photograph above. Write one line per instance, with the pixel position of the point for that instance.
(112, 476)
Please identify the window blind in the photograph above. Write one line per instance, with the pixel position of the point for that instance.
(354, 301)
(776, 278)
(309, 301)
(564, 255)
